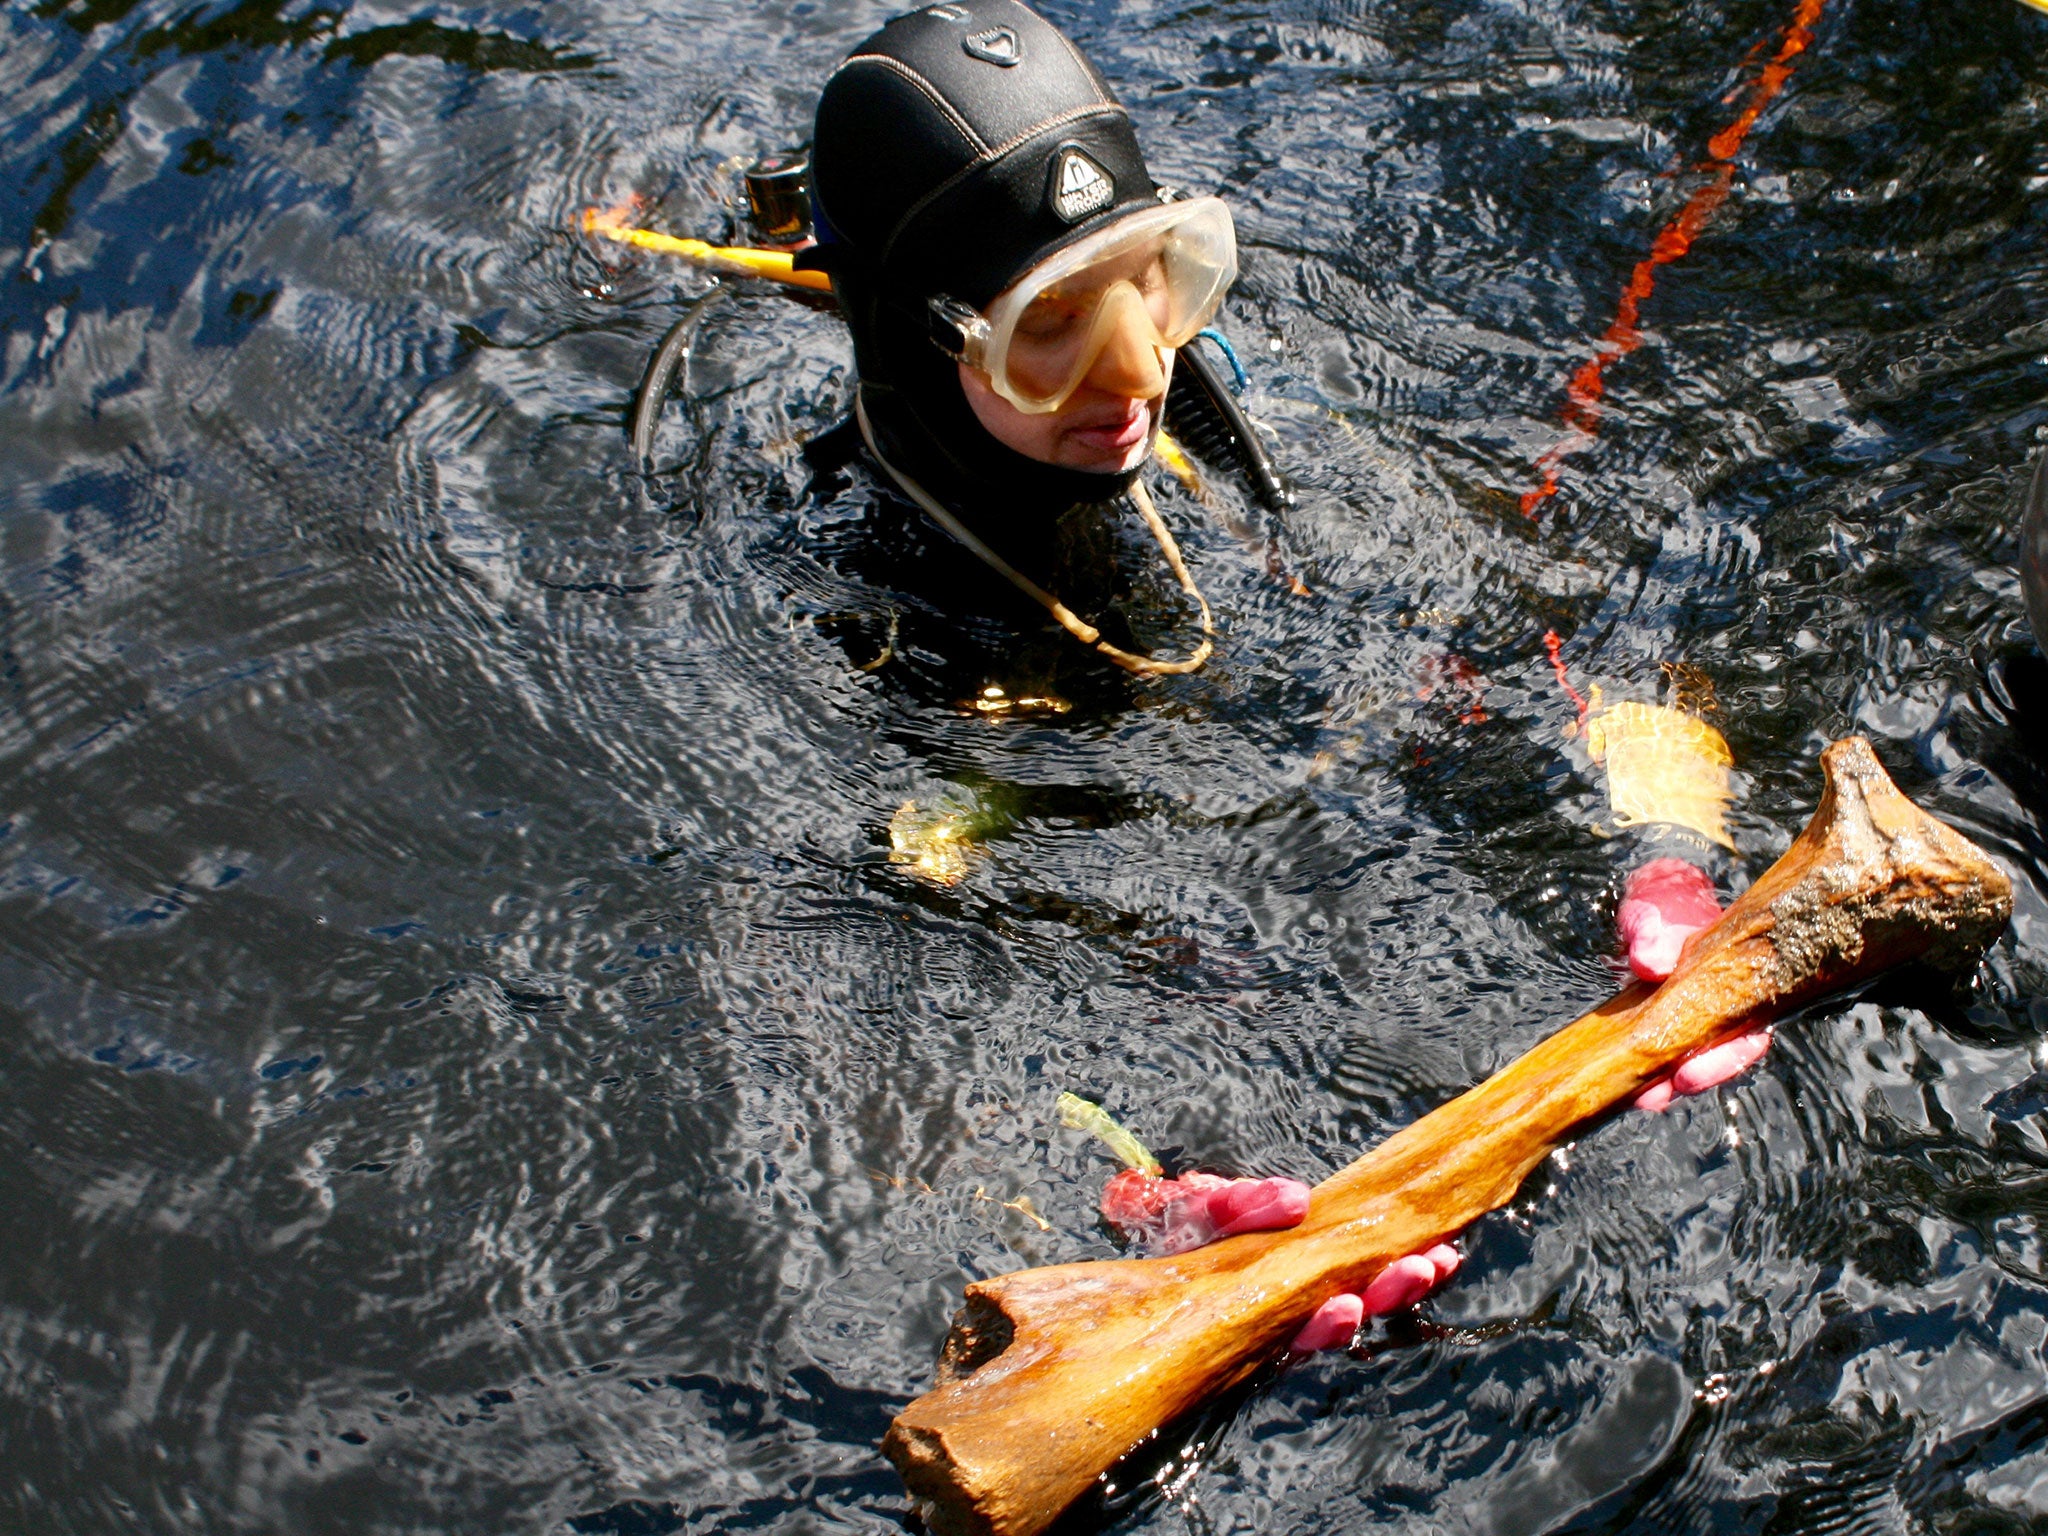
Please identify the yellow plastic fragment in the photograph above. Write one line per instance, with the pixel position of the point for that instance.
(1021, 1205)
(1078, 1114)
(1663, 765)
(992, 700)
(935, 844)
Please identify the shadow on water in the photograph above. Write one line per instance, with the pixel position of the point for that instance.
(469, 1059)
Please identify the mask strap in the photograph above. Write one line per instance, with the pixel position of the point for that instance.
(1071, 622)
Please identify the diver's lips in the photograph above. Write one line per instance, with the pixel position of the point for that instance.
(1118, 433)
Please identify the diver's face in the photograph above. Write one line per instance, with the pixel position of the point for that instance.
(1106, 425)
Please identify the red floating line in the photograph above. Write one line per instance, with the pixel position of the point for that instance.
(1555, 646)
(1582, 395)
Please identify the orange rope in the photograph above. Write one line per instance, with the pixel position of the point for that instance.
(1555, 646)
(1582, 395)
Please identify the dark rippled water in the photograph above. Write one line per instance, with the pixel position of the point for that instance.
(467, 1062)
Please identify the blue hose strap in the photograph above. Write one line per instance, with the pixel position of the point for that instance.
(1239, 380)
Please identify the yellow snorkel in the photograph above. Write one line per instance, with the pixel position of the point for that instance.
(738, 260)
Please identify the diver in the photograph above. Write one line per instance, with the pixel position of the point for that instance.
(1018, 290)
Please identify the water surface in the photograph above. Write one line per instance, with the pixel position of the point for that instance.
(467, 1062)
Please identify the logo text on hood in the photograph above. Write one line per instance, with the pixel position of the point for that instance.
(1079, 186)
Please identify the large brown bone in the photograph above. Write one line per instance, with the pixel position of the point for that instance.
(1050, 1375)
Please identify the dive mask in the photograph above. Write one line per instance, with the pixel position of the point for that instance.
(1165, 268)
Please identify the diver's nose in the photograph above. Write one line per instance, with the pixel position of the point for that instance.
(1129, 363)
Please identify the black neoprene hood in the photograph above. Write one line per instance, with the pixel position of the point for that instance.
(945, 142)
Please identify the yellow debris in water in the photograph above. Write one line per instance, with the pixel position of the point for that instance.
(1079, 1114)
(1691, 689)
(992, 700)
(2039, 5)
(1663, 765)
(1021, 1205)
(934, 844)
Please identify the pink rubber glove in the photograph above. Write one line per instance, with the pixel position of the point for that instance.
(1174, 1215)
(1666, 902)
(1401, 1284)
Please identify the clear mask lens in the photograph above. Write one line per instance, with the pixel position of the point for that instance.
(1152, 279)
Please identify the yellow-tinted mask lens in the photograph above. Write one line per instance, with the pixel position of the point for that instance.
(1169, 268)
